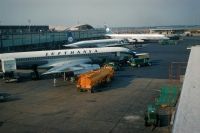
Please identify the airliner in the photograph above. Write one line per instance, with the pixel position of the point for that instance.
(136, 38)
(65, 60)
(98, 43)
(115, 40)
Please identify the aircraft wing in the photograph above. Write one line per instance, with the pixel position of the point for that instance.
(78, 69)
(135, 40)
(73, 45)
(77, 66)
(67, 62)
(115, 45)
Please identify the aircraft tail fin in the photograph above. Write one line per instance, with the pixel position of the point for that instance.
(108, 31)
(70, 37)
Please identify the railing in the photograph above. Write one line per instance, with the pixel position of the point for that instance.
(176, 69)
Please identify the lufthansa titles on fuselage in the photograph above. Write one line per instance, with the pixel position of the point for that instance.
(70, 52)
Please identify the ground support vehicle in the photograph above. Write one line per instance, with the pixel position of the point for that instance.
(142, 59)
(91, 80)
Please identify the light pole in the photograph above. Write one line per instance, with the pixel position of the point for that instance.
(29, 27)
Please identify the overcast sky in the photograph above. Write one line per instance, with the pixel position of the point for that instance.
(114, 13)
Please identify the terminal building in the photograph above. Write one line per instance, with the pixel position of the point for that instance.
(18, 29)
(29, 38)
(187, 31)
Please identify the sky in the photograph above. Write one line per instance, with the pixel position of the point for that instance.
(114, 13)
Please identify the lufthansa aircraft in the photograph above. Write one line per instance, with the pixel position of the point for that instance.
(67, 60)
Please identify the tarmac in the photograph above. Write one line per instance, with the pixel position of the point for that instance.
(38, 106)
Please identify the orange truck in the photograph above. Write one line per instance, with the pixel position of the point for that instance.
(90, 80)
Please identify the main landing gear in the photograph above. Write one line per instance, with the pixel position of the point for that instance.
(35, 74)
